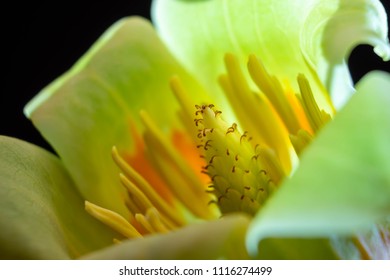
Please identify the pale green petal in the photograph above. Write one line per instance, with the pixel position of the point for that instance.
(93, 106)
(290, 37)
(42, 215)
(219, 239)
(342, 185)
(327, 45)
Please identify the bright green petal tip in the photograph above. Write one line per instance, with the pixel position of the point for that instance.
(342, 186)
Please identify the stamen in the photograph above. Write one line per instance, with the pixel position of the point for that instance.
(384, 235)
(112, 219)
(317, 118)
(144, 222)
(137, 196)
(365, 255)
(256, 113)
(145, 188)
(155, 221)
(133, 208)
(272, 88)
(186, 185)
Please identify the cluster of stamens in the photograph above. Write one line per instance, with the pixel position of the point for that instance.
(244, 168)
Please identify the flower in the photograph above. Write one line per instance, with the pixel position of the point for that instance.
(129, 92)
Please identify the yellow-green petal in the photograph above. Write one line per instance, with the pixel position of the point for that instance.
(312, 37)
(95, 106)
(219, 239)
(41, 213)
(342, 186)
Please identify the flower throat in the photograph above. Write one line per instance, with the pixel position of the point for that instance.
(242, 168)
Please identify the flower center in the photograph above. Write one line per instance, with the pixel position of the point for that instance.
(243, 168)
(246, 167)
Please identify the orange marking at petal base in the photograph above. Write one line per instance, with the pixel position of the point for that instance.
(184, 144)
(298, 110)
(140, 162)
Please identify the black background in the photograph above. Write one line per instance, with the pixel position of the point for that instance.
(40, 41)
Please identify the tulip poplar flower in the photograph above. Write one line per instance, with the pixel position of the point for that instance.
(229, 129)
